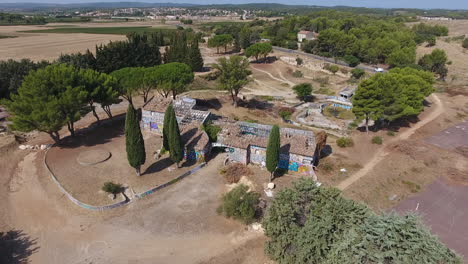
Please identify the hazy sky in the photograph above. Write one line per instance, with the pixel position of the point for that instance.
(424, 4)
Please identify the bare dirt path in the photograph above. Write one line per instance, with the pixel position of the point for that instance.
(275, 78)
(383, 152)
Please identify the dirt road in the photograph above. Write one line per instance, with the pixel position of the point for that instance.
(177, 225)
(382, 152)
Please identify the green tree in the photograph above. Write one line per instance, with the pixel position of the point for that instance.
(101, 88)
(13, 72)
(245, 37)
(303, 90)
(233, 75)
(435, 62)
(134, 143)
(130, 81)
(273, 151)
(259, 50)
(79, 60)
(223, 40)
(367, 102)
(176, 147)
(48, 99)
(168, 115)
(195, 57)
(465, 43)
(402, 57)
(173, 78)
(357, 73)
(311, 224)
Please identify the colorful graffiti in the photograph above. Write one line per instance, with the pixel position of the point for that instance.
(195, 155)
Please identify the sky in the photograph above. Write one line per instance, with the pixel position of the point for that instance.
(422, 4)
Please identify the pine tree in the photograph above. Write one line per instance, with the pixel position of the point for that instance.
(134, 142)
(195, 57)
(175, 142)
(273, 151)
(167, 119)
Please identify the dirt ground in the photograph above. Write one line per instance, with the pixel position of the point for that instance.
(63, 162)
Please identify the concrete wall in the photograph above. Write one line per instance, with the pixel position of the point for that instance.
(237, 155)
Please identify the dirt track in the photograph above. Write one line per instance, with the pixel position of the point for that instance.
(382, 152)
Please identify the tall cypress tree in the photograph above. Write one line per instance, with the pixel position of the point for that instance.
(273, 151)
(195, 58)
(134, 142)
(176, 148)
(166, 128)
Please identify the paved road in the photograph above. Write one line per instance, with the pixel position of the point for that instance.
(329, 60)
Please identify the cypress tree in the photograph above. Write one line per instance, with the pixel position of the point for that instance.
(134, 142)
(273, 150)
(195, 57)
(166, 128)
(175, 142)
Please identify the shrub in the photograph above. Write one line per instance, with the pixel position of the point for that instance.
(377, 140)
(240, 204)
(299, 61)
(113, 188)
(285, 113)
(391, 133)
(431, 41)
(303, 90)
(344, 142)
(332, 68)
(297, 74)
(211, 130)
(234, 172)
(357, 73)
(465, 43)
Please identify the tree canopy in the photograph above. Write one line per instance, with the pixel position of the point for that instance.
(234, 73)
(435, 62)
(311, 224)
(223, 40)
(303, 90)
(172, 78)
(394, 95)
(259, 50)
(13, 72)
(134, 143)
(273, 150)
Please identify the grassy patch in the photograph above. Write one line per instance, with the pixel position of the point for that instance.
(4, 37)
(413, 187)
(339, 113)
(98, 30)
(325, 90)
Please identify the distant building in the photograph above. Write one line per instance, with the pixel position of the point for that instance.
(344, 100)
(434, 18)
(307, 35)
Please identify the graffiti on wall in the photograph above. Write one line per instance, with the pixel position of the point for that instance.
(195, 155)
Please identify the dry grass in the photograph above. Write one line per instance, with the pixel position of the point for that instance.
(233, 172)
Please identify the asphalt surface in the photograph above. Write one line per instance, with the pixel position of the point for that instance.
(444, 209)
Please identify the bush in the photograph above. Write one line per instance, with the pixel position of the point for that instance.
(299, 61)
(285, 113)
(234, 172)
(431, 42)
(357, 73)
(377, 140)
(297, 74)
(240, 204)
(391, 133)
(465, 43)
(303, 90)
(211, 130)
(113, 188)
(332, 68)
(344, 142)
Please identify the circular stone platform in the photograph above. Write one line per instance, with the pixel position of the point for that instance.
(94, 156)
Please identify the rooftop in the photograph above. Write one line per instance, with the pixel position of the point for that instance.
(243, 134)
(183, 107)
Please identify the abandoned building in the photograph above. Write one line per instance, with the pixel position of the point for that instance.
(246, 143)
(197, 144)
(344, 100)
(306, 35)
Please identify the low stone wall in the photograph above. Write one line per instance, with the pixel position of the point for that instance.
(159, 187)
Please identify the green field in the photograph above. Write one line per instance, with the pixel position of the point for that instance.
(3, 36)
(98, 30)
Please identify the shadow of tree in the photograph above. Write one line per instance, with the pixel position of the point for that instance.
(101, 134)
(16, 247)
